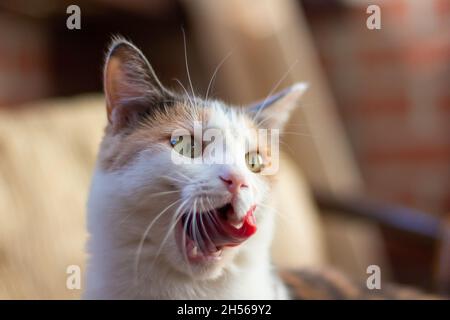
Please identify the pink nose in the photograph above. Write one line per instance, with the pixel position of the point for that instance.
(233, 182)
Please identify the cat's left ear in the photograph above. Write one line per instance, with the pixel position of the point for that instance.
(274, 111)
(130, 84)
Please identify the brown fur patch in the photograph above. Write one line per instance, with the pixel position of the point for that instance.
(119, 149)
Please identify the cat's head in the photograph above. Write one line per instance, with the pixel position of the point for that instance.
(186, 178)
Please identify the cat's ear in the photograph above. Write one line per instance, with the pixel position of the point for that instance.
(130, 84)
(274, 111)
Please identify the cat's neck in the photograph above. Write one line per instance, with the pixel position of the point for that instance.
(249, 281)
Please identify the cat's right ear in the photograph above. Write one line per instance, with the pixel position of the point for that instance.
(130, 84)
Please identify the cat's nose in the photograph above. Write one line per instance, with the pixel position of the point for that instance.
(234, 182)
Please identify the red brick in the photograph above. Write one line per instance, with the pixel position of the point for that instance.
(444, 103)
(412, 155)
(380, 56)
(442, 8)
(428, 53)
(373, 106)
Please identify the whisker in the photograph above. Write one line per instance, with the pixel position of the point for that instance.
(194, 230)
(144, 236)
(213, 194)
(206, 212)
(153, 195)
(211, 217)
(186, 62)
(163, 193)
(184, 176)
(215, 73)
(273, 90)
(277, 212)
(185, 255)
(212, 206)
(174, 179)
(296, 133)
(287, 146)
(175, 219)
(185, 91)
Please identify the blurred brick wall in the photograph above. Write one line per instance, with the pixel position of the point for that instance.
(393, 89)
(24, 73)
(41, 58)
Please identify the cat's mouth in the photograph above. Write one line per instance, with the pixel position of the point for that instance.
(203, 235)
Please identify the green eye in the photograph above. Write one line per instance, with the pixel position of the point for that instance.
(186, 146)
(254, 161)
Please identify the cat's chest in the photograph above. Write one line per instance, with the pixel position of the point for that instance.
(249, 285)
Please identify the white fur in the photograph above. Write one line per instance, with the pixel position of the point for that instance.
(123, 203)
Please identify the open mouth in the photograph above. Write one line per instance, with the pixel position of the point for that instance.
(203, 235)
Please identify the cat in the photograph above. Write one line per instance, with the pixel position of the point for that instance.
(165, 230)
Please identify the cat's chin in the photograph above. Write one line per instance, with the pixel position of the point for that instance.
(205, 268)
(208, 241)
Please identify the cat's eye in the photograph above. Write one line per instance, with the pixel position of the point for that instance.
(254, 161)
(186, 146)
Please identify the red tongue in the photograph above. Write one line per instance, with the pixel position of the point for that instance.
(248, 228)
(231, 236)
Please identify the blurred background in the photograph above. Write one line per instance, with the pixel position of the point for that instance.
(370, 145)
